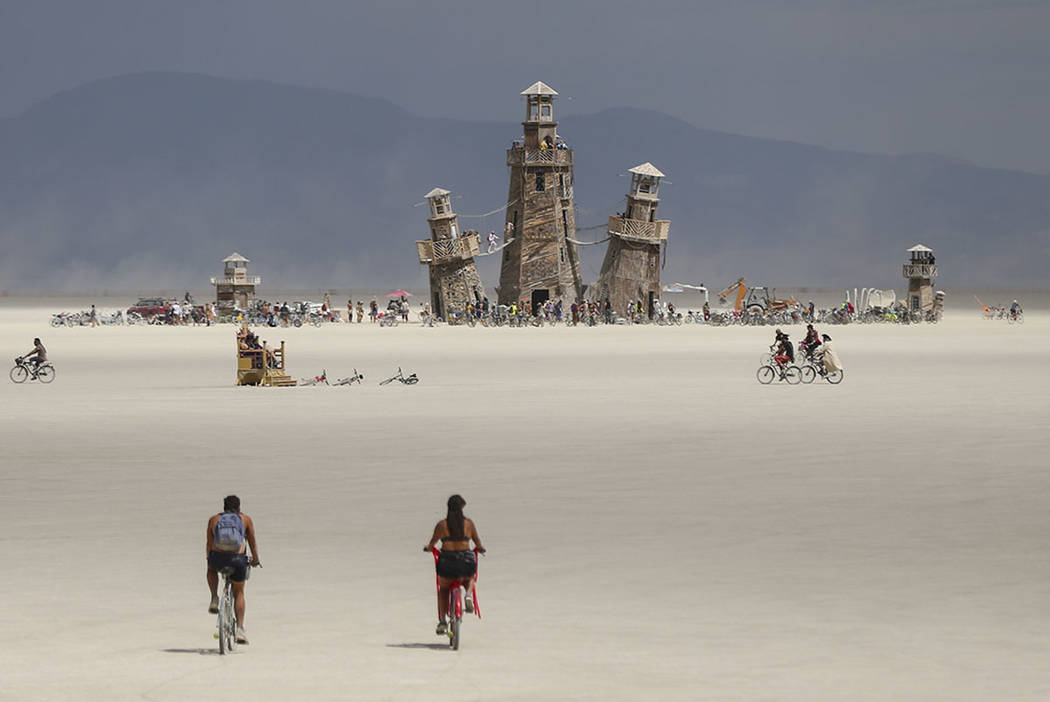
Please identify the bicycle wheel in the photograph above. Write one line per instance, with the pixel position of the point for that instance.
(386, 382)
(411, 380)
(792, 375)
(19, 374)
(46, 373)
(222, 635)
(455, 617)
(809, 374)
(766, 374)
(834, 377)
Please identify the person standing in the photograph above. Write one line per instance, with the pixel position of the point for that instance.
(373, 310)
(350, 311)
(360, 312)
(94, 316)
(230, 537)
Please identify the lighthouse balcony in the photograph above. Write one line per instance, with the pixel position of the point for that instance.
(920, 270)
(237, 280)
(539, 157)
(449, 250)
(639, 230)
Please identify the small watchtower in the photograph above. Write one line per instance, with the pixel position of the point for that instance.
(540, 260)
(235, 289)
(920, 270)
(631, 269)
(454, 279)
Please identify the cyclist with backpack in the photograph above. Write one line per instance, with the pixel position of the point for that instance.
(230, 534)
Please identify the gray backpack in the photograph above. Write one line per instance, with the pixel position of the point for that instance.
(229, 532)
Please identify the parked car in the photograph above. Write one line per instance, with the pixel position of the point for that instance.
(147, 307)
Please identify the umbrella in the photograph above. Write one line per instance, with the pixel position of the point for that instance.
(399, 293)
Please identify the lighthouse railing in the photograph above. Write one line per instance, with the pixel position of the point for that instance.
(639, 230)
(920, 270)
(237, 280)
(539, 157)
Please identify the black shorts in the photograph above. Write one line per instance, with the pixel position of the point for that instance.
(457, 564)
(236, 562)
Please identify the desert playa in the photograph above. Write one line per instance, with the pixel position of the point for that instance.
(659, 525)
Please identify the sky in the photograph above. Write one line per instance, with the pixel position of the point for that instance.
(967, 79)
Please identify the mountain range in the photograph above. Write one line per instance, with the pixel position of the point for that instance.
(147, 181)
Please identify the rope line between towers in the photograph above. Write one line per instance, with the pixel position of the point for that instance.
(488, 214)
(507, 243)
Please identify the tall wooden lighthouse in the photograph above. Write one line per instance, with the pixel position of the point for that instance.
(631, 269)
(540, 262)
(920, 271)
(454, 279)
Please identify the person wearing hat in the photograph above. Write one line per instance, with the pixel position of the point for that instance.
(828, 356)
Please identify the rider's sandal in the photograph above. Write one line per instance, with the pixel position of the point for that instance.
(442, 628)
(468, 604)
(213, 608)
(240, 636)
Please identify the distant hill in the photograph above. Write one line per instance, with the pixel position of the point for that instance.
(149, 180)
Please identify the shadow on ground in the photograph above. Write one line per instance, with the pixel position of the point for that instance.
(432, 646)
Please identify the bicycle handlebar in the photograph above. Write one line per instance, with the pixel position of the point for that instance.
(437, 552)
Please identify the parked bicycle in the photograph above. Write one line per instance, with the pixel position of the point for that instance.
(24, 370)
(227, 623)
(401, 378)
(316, 380)
(350, 380)
(456, 590)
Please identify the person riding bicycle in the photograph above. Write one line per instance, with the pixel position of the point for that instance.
(457, 560)
(785, 350)
(828, 357)
(811, 342)
(37, 356)
(229, 532)
(1015, 309)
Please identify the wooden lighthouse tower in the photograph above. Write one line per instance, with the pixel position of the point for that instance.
(235, 289)
(631, 269)
(454, 280)
(920, 271)
(540, 262)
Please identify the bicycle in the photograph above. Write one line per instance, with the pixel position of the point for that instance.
(23, 371)
(789, 372)
(815, 367)
(401, 378)
(454, 610)
(227, 623)
(350, 380)
(316, 380)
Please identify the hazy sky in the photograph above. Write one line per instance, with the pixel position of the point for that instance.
(965, 78)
